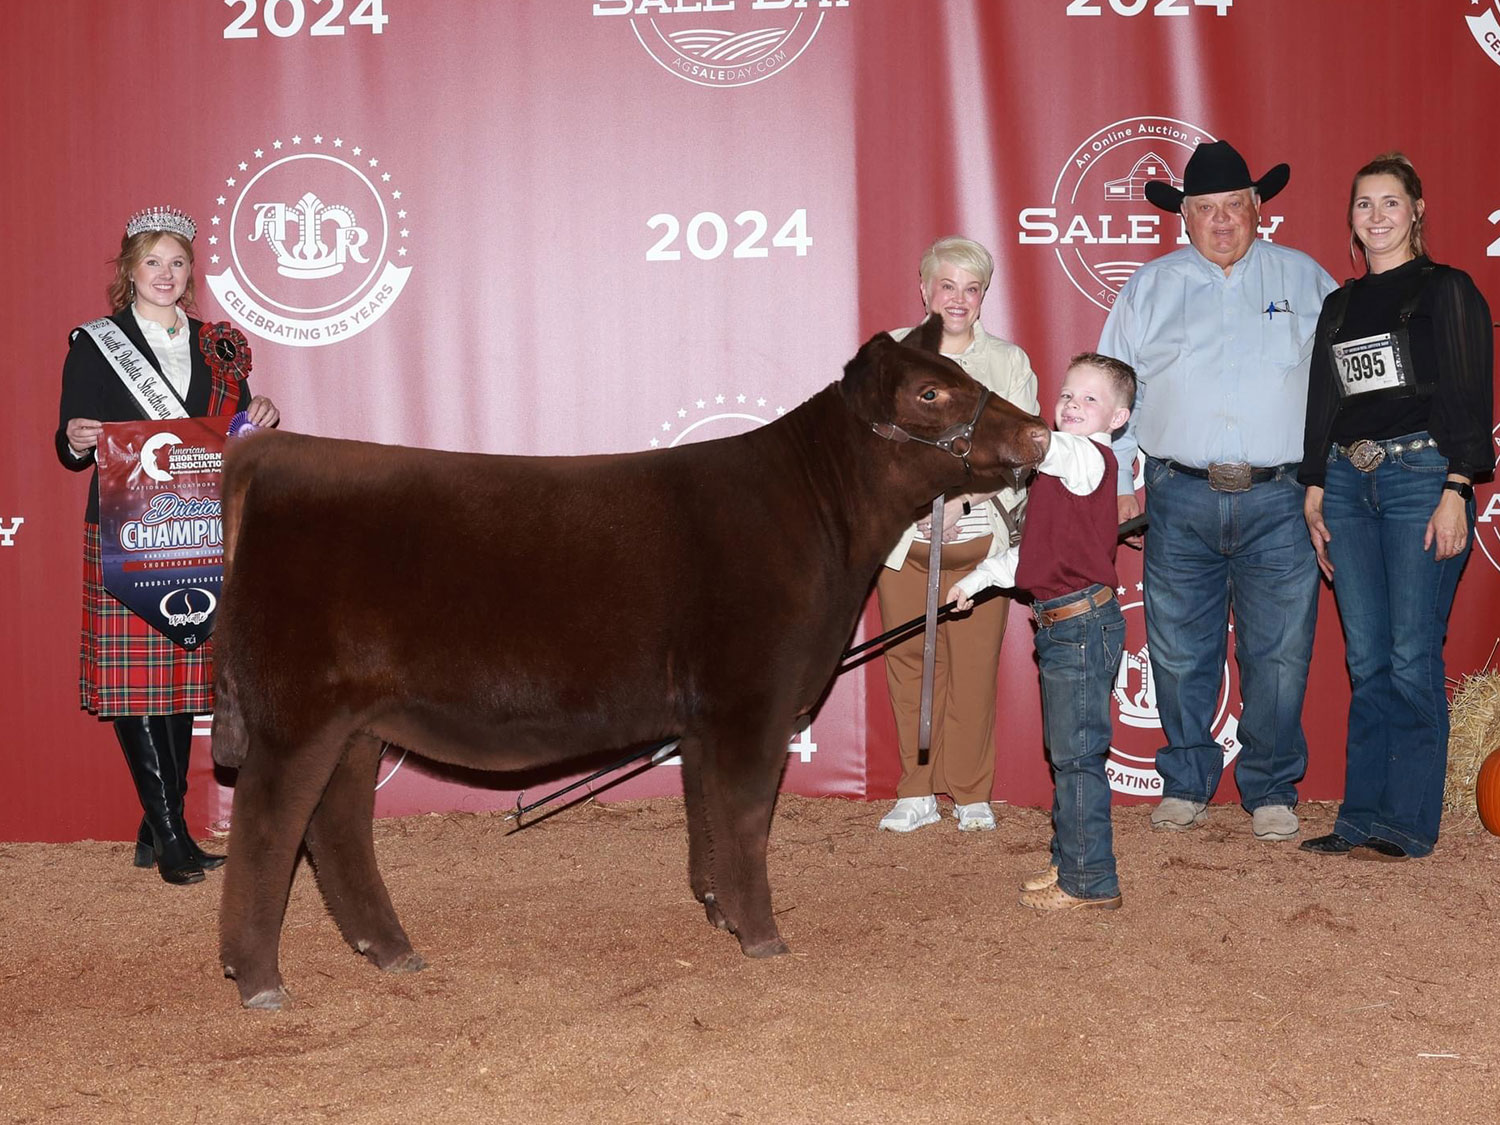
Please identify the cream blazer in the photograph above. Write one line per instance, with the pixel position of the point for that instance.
(1005, 369)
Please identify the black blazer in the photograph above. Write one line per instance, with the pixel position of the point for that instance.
(92, 389)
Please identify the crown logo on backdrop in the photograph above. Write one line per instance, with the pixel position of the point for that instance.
(167, 219)
(1135, 691)
(309, 255)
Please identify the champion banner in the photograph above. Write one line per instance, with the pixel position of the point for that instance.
(160, 532)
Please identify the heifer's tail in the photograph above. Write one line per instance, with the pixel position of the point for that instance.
(230, 739)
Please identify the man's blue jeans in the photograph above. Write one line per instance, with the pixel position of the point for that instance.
(1079, 657)
(1393, 600)
(1208, 553)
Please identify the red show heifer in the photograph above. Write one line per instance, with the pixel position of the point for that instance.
(376, 593)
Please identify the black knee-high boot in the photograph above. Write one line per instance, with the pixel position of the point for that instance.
(154, 771)
(180, 738)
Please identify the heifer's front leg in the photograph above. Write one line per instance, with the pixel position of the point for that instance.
(737, 777)
(274, 797)
(341, 844)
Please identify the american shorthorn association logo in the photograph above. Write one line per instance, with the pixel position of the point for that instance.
(1485, 27)
(723, 42)
(1132, 753)
(307, 242)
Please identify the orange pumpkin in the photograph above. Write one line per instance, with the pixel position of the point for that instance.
(1487, 792)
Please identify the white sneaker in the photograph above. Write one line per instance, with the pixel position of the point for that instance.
(978, 817)
(911, 813)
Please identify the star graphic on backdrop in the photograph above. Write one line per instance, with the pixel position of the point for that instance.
(682, 413)
(719, 400)
(356, 150)
(700, 404)
(338, 142)
(275, 144)
(221, 201)
(317, 138)
(296, 140)
(740, 399)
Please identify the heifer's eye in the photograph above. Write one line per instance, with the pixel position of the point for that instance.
(929, 396)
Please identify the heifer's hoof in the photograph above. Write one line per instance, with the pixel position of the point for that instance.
(266, 1000)
(775, 947)
(410, 963)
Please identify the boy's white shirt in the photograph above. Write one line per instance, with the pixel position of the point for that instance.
(1077, 462)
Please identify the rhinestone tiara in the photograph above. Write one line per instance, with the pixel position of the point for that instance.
(164, 219)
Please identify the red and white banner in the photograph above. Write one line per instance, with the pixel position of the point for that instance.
(577, 226)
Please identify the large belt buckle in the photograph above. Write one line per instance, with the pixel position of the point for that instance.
(1366, 455)
(1233, 476)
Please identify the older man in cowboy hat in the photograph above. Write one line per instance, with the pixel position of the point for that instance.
(1220, 334)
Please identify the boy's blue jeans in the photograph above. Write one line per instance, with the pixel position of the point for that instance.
(1079, 657)
(1393, 599)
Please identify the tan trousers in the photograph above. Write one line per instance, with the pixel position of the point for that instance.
(962, 762)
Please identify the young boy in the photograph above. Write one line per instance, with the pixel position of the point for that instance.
(1067, 560)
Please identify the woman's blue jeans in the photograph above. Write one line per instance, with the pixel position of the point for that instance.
(1393, 598)
(1079, 657)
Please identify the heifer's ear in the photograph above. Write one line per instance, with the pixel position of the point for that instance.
(927, 336)
(864, 378)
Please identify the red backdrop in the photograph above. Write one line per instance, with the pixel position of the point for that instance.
(566, 226)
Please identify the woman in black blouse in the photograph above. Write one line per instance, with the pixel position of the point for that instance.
(1399, 411)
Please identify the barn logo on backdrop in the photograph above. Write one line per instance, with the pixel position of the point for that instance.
(1099, 224)
(307, 240)
(723, 42)
(1485, 28)
(1137, 730)
(1487, 520)
(706, 418)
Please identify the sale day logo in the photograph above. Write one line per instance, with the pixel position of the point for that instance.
(307, 240)
(723, 43)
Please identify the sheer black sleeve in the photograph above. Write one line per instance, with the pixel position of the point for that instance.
(1463, 405)
(1322, 402)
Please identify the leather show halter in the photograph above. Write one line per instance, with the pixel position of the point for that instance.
(958, 441)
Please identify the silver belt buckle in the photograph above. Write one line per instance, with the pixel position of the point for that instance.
(1366, 455)
(1231, 476)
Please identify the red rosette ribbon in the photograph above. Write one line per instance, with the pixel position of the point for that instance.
(226, 349)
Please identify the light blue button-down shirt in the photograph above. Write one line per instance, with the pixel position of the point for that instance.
(1221, 361)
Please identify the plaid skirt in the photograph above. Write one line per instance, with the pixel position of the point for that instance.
(125, 667)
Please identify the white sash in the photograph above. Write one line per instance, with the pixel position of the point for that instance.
(152, 393)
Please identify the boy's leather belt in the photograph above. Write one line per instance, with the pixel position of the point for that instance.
(1100, 597)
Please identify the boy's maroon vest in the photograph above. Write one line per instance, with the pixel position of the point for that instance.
(1069, 541)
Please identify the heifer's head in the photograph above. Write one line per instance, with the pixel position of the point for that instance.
(906, 391)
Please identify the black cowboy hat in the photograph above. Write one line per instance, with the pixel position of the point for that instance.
(1214, 167)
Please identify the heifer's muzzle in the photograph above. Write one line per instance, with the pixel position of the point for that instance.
(957, 440)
